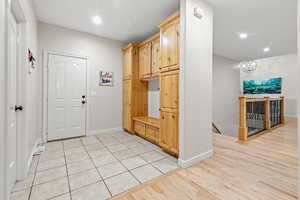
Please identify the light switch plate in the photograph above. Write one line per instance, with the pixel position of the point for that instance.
(93, 93)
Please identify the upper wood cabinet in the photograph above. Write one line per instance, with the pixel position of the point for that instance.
(156, 57)
(169, 89)
(170, 39)
(145, 61)
(149, 57)
(130, 61)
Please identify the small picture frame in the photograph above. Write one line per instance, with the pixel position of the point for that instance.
(106, 78)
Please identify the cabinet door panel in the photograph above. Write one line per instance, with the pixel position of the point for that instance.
(145, 60)
(156, 56)
(140, 128)
(127, 121)
(127, 63)
(169, 90)
(152, 133)
(170, 46)
(169, 131)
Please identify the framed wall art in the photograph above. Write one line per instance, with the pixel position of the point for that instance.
(106, 78)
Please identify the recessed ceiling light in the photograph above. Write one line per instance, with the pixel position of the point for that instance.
(267, 49)
(97, 20)
(243, 36)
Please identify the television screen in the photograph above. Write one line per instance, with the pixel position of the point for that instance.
(267, 86)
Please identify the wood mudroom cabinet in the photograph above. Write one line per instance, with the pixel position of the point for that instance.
(169, 83)
(145, 61)
(127, 87)
(170, 40)
(169, 103)
(148, 128)
(169, 89)
(149, 57)
(169, 136)
(135, 92)
(157, 56)
(129, 60)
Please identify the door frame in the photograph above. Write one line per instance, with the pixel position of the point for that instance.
(16, 9)
(45, 59)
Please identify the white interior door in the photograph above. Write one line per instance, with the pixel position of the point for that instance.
(11, 100)
(66, 97)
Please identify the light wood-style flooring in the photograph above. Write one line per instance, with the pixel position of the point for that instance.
(263, 168)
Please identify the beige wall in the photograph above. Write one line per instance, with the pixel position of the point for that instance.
(30, 131)
(285, 67)
(226, 90)
(31, 99)
(105, 107)
(2, 99)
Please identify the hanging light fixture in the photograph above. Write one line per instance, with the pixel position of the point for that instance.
(249, 66)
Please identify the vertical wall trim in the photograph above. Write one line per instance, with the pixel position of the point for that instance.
(181, 78)
(298, 95)
(3, 45)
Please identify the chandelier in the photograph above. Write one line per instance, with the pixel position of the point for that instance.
(249, 66)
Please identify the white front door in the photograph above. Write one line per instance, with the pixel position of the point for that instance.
(66, 97)
(11, 101)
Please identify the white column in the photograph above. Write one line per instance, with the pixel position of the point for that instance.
(196, 60)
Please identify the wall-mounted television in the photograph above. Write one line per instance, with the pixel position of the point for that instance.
(267, 86)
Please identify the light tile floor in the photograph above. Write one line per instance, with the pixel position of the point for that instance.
(92, 168)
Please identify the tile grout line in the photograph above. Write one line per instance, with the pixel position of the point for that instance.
(67, 170)
(147, 163)
(121, 162)
(102, 179)
(117, 159)
(91, 158)
(34, 176)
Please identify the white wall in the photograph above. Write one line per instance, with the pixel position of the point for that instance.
(226, 91)
(153, 98)
(105, 108)
(284, 66)
(31, 100)
(196, 61)
(2, 100)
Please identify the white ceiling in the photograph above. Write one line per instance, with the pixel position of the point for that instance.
(123, 20)
(270, 23)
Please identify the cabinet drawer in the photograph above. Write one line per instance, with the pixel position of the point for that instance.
(152, 133)
(140, 128)
(171, 68)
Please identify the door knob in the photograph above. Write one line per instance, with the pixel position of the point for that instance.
(83, 99)
(18, 108)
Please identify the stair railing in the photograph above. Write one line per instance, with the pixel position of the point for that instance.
(216, 129)
(259, 114)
